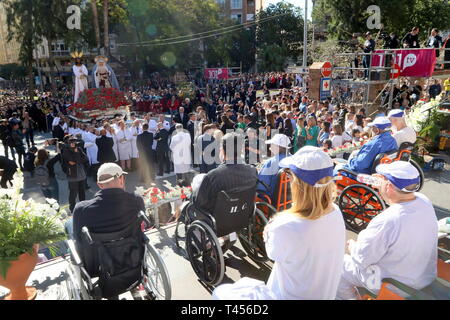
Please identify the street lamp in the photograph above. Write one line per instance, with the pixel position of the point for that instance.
(305, 36)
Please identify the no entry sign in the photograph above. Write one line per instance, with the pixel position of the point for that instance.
(327, 69)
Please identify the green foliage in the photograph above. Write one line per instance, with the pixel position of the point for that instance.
(23, 224)
(344, 17)
(12, 71)
(284, 32)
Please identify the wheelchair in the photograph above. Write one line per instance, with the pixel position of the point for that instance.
(236, 216)
(360, 203)
(282, 199)
(112, 264)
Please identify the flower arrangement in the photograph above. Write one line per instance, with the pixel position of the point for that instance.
(95, 103)
(346, 148)
(24, 223)
(154, 196)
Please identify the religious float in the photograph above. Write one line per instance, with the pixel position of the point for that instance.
(105, 101)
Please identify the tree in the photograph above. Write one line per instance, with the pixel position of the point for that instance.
(283, 29)
(344, 17)
(96, 23)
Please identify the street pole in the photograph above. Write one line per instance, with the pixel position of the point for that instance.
(305, 36)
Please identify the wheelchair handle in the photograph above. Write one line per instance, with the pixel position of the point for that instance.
(86, 233)
(144, 217)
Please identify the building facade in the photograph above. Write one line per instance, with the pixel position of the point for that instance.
(9, 51)
(241, 10)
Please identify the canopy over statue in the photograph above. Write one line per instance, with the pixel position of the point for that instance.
(104, 76)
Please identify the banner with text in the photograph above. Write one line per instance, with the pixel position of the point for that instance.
(217, 74)
(413, 63)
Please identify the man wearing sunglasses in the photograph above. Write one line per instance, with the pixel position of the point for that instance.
(400, 243)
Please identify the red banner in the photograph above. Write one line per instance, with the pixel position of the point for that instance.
(218, 74)
(413, 63)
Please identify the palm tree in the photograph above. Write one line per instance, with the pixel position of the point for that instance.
(96, 24)
(106, 26)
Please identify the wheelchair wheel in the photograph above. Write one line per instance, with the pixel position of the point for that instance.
(73, 292)
(205, 253)
(251, 238)
(156, 278)
(422, 176)
(180, 230)
(359, 204)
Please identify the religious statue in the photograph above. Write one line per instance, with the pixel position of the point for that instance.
(104, 76)
(81, 75)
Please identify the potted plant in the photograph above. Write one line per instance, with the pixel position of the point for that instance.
(24, 224)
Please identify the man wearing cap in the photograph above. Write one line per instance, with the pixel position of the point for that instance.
(400, 243)
(400, 131)
(382, 142)
(111, 209)
(279, 146)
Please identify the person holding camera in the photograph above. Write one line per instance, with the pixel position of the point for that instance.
(74, 160)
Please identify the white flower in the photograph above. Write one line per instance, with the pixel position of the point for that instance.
(140, 191)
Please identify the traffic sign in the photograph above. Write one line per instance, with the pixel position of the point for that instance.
(298, 70)
(327, 69)
(395, 71)
(325, 88)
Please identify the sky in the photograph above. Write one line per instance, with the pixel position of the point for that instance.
(297, 3)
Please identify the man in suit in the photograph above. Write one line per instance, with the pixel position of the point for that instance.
(191, 128)
(58, 131)
(144, 145)
(250, 123)
(162, 148)
(182, 117)
(105, 148)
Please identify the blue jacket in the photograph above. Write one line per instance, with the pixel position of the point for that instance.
(268, 174)
(363, 162)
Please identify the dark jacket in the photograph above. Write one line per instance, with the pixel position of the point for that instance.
(183, 121)
(191, 129)
(226, 177)
(144, 144)
(58, 133)
(163, 140)
(109, 211)
(68, 155)
(105, 150)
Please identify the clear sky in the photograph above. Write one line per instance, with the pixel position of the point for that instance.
(297, 3)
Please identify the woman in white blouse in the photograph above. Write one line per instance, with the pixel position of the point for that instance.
(124, 138)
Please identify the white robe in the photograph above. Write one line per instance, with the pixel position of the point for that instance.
(181, 152)
(124, 147)
(134, 133)
(91, 147)
(81, 84)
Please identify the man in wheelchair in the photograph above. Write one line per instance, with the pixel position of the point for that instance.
(232, 176)
(400, 131)
(108, 236)
(382, 142)
(399, 243)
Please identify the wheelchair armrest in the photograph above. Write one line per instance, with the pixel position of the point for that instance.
(74, 252)
(353, 173)
(413, 293)
(206, 214)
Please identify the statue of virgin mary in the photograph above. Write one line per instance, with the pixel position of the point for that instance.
(104, 76)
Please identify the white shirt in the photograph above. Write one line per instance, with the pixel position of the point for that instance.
(56, 121)
(308, 255)
(402, 242)
(337, 141)
(407, 134)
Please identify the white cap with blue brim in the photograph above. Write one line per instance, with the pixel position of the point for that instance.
(396, 113)
(310, 164)
(400, 173)
(381, 123)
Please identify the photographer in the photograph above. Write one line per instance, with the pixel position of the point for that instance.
(74, 161)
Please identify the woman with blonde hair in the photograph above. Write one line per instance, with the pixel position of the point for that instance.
(307, 242)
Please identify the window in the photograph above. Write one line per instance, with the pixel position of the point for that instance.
(236, 4)
(237, 17)
(250, 3)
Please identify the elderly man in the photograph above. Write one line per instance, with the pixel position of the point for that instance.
(400, 131)
(381, 142)
(279, 146)
(400, 243)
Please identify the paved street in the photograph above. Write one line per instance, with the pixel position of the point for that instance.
(49, 277)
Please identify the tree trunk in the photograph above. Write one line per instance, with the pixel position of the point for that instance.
(51, 62)
(96, 24)
(106, 26)
(31, 81)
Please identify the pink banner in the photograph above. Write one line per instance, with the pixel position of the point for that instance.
(217, 74)
(413, 63)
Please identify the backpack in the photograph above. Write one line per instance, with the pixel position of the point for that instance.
(42, 176)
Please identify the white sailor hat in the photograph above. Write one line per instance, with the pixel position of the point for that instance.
(280, 140)
(166, 125)
(381, 123)
(400, 173)
(396, 113)
(309, 164)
